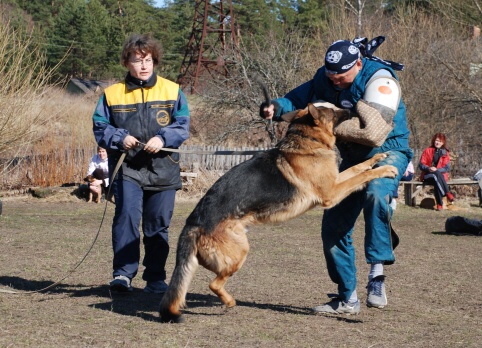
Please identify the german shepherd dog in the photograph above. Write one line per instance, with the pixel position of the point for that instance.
(276, 185)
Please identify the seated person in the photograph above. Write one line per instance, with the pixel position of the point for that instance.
(98, 172)
(407, 176)
(478, 177)
(435, 167)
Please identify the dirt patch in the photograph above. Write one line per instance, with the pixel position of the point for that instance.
(433, 288)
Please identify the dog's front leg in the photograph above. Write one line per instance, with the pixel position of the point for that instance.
(361, 167)
(343, 189)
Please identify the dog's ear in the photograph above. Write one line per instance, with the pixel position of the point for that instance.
(321, 114)
(293, 115)
(316, 113)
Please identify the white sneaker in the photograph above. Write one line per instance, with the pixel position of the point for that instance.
(337, 306)
(120, 284)
(376, 294)
(393, 204)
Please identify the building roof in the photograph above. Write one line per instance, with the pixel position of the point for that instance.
(79, 86)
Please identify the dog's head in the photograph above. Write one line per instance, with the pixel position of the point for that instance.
(312, 128)
(89, 178)
(321, 116)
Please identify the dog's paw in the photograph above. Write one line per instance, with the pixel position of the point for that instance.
(379, 156)
(389, 171)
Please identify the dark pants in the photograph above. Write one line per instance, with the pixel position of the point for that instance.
(155, 208)
(440, 186)
(339, 222)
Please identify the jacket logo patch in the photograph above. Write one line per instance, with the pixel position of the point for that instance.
(162, 118)
(346, 104)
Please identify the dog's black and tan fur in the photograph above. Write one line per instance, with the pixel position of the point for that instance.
(276, 185)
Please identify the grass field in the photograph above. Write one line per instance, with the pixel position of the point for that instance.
(434, 288)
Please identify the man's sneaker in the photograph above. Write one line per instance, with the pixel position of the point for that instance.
(440, 207)
(337, 306)
(120, 284)
(156, 287)
(376, 295)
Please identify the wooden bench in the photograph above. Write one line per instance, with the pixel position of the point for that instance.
(188, 177)
(411, 189)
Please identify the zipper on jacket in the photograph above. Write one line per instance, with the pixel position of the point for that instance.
(144, 116)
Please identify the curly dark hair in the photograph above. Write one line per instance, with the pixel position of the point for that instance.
(142, 44)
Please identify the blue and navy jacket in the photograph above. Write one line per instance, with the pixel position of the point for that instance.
(143, 109)
(321, 88)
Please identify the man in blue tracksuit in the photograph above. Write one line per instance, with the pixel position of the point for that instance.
(352, 74)
(142, 115)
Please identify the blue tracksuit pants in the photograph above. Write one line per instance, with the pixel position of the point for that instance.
(338, 224)
(155, 209)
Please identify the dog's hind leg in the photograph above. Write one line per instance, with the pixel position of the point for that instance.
(228, 249)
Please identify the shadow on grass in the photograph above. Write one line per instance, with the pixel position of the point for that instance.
(137, 303)
(198, 300)
(24, 285)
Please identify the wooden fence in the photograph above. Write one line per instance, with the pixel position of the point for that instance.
(52, 170)
(193, 162)
(464, 163)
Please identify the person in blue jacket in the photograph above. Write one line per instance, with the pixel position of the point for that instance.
(353, 78)
(143, 115)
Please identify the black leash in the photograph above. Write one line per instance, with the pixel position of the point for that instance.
(267, 100)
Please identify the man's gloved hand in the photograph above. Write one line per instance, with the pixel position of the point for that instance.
(369, 127)
(262, 108)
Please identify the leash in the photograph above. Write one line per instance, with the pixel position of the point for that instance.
(119, 163)
(205, 152)
(107, 198)
(267, 100)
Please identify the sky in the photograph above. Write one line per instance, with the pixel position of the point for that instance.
(158, 3)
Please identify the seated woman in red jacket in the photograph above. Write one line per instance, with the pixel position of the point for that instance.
(435, 166)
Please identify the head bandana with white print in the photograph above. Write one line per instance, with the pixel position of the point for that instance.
(342, 55)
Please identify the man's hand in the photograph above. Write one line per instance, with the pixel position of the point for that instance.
(154, 145)
(130, 142)
(266, 111)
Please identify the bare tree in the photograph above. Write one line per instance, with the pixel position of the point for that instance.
(24, 81)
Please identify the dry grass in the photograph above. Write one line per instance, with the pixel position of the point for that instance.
(432, 288)
(45, 134)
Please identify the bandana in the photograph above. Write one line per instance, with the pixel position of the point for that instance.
(342, 55)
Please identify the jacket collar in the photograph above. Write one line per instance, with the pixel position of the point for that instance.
(134, 83)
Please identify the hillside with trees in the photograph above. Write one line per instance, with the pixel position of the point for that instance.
(282, 42)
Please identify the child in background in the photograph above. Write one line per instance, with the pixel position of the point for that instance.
(407, 176)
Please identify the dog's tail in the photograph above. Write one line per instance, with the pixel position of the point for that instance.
(174, 298)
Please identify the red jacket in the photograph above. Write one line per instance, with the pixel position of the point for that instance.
(442, 166)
